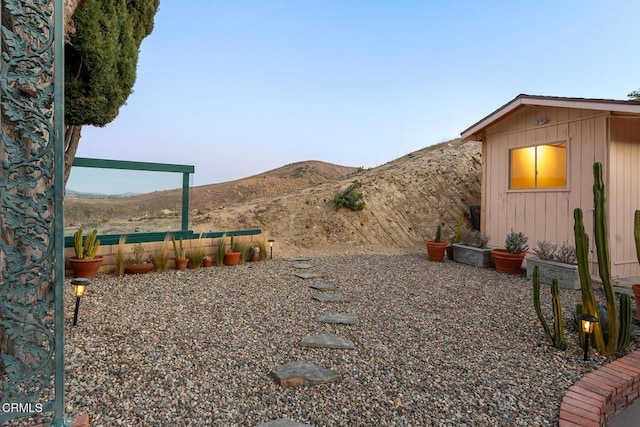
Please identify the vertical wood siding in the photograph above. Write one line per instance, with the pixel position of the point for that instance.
(542, 214)
(624, 194)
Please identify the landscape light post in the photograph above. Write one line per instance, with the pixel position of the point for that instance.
(271, 248)
(587, 322)
(79, 286)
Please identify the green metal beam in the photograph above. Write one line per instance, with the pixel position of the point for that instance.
(138, 166)
(113, 239)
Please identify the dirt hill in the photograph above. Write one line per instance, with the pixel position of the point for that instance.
(405, 200)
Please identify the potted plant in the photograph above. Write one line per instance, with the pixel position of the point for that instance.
(232, 256)
(86, 263)
(180, 258)
(509, 259)
(207, 261)
(254, 253)
(472, 249)
(436, 248)
(161, 258)
(555, 261)
(195, 253)
(137, 265)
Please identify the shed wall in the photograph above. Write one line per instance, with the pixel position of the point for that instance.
(545, 214)
(624, 194)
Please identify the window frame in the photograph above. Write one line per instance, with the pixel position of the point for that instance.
(535, 178)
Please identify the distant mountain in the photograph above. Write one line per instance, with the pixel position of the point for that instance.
(71, 194)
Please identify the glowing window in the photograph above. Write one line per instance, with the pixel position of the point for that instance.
(541, 166)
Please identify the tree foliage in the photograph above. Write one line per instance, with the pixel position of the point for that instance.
(102, 57)
(635, 95)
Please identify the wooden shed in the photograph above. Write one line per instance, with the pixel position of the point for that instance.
(538, 154)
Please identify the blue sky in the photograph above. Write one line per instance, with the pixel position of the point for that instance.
(241, 87)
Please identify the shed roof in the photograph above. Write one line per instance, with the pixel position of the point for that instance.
(613, 105)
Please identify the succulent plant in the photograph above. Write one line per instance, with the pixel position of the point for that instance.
(516, 243)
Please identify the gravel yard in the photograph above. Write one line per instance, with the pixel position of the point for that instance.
(437, 344)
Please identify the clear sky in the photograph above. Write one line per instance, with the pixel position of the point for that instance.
(240, 87)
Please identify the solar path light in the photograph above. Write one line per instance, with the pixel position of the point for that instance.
(587, 322)
(79, 286)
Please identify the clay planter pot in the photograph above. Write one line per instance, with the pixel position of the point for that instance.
(636, 293)
(207, 262)
(450, 252)
(87, 268)
(138, 268)
(181, 263)
(231, 258)
(436, 250)
(506, 262)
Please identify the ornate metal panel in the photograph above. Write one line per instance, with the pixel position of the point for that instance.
(31, 214)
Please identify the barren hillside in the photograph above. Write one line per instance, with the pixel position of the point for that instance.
(405, 200)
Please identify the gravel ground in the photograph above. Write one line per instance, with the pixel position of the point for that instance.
(438, 344)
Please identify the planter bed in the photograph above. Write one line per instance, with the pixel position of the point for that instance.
(567, 274)
(478, 257)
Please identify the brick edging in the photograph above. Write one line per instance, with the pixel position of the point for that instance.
(591, 401)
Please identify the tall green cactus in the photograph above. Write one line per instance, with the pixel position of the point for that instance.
(77, 243)
(557, 338)
(625, 321)
(614, 338)
(91, 245)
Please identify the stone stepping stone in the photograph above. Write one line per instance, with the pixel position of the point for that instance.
(283, 422)
(323, 286)
(307, 275)
(302, 265)
(330, 298)
(298, 259)
(327, 341)
(299, 373)
(344, 319)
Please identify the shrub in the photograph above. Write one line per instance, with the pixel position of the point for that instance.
(349, 198)
(516, 243)
(564, 252)
(474, 238)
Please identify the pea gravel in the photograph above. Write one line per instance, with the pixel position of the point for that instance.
(440, 344)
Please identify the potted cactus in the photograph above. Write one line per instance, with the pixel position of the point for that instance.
(232, 256)
(436, 248)
(509, 259)
(86, 262)
(180, 258)
(137, 265)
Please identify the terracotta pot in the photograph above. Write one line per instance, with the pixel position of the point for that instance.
(450, 252)
(181, 263)
(436, 250)
(506, 262)
(138, 268)
(231, 258)
(87, 268)
(207, 262)
(255, 258)
(636, 293)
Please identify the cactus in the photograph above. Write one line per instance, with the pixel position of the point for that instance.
(457, 238)
(557, 338)
(89, 248)
(91, 245)
(625, 321)
(176, 253)
(77, 243)
(606, 343)
(438, 238)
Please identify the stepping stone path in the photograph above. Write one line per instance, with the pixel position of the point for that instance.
(283, 422)
(327, 341)
(323, 286)
(330, 298)
(308, 275)
(302, 265)
(344, 319)
(303, 373)
(299, 373)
